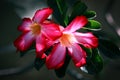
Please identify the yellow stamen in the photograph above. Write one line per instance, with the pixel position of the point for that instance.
(35, 28)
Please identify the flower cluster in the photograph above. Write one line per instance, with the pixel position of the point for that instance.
(63, 39)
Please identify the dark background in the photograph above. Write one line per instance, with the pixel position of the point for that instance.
(11, 13)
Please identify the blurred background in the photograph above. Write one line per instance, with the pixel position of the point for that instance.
(13, 67)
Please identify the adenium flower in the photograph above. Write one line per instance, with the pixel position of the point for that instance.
(38, 29)
(71, 41)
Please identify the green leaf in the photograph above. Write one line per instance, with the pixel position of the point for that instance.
(39, 63)
(109, 49)
(59, 11)
(90, 14)
(87, 50)
(94, 64)
(61, 71)
(93, 25)
(78, 9)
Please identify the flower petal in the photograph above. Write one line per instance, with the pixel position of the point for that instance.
(51, 30)
(56, 58)
(25, 26)
(78, 55)
(49, 43)
(24, 41)
(86, 39)
(76, 24)
(42, 14)
(40, 45)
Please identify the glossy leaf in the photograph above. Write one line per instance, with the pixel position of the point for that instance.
(39, 63)
(90, 14)
(94, 64)
(61, 71)
(59, 11)
(78, 9)
(93, 25)
(109, 49)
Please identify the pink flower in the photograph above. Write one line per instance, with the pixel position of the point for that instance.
(71, 41)
(38, 29)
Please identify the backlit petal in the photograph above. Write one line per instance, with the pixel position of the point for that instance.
(76, 24)
(78, 55)
(24, 41)
(56, 58)
(42, 14)
(51, 30)
(87, 39)
(25, 25)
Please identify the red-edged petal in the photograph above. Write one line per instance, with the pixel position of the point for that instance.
(24, 41)
(41, 55)
(40, 45)
(51, 30)
(42, 14)
(76, 24)
(25, 26)
(56, 58)
(49, 43)
(86, 39)
(78, 55)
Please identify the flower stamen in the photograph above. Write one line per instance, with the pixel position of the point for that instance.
(35, 28)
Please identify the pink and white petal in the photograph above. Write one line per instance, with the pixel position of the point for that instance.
(40, 45)
(56, 58)
(25, 25)
(24, 41)
(86, 39)
(42, 14)
(51, 31)
(77, 23)
(78, 55)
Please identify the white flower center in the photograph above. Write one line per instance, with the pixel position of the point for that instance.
(67, 39)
